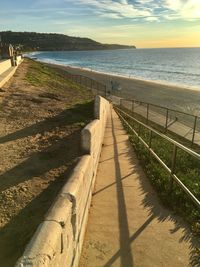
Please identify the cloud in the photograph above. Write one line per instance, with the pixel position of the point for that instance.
(149, 10)
(109, 15)
(121, 8)
(185, 9)
(152, 19)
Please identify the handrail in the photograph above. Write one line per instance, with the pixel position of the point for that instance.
(186, 149)
(166, 110)
(176, 145)
(158, 106)
(102, 89)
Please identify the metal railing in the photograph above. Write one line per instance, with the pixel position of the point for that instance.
(165, 117)
(176, 145)
(169, 119)
(87, 82)
(161, 116)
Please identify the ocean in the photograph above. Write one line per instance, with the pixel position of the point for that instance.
(173, 66)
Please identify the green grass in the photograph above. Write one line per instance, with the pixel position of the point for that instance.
(187, 170)
(56, 80)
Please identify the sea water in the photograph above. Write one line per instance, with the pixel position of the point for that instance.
(173, 66)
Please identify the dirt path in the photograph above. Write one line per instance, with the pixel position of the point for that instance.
(41, 115)
(127, 225)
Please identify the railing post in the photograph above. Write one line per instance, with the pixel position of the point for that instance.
(173, 166)
(166, 122)
(139, 133)
(132, 107)
(105, 91)
(150, 138)
(194, 129)
(147, 114)
(120, 102)
(150, 141)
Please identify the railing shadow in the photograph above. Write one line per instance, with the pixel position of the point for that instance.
(155, 211)
(126, 256)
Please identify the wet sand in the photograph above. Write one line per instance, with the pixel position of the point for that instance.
(187, 100)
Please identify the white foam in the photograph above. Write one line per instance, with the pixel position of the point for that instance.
(113, 75)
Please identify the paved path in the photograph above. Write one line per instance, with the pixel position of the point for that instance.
(127, 226)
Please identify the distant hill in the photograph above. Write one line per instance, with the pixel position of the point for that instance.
(32, 41)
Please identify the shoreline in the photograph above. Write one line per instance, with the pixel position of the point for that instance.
(174, 97)
(115, 75)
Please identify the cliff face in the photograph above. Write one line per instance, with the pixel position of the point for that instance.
(32, 41)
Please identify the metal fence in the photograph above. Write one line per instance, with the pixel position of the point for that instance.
(181, 123)
(96, 86)
(165, 117)
(175, 145)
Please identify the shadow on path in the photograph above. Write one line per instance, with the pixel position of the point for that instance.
(155, 211)
(126, 256)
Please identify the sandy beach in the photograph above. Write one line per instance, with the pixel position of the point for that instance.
(174, 97)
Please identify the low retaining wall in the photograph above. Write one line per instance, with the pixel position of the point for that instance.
(5, 65)
(18, 60)
(6, 75)
(59, 238)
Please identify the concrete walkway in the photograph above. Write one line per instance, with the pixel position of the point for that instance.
(127, 226)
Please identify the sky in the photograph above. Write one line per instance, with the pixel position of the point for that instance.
(144, 23)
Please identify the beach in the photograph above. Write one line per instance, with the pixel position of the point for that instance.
(170, 96)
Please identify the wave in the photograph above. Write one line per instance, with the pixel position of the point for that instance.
(156, 66)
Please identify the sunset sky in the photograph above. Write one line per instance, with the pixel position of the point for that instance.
(145, 23)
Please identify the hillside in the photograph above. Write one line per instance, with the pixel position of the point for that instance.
(32, 41)
(42, 114)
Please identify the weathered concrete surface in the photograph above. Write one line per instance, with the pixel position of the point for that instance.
(127, 226)
(5, 65)
(18, 59)
(58, 240)
(7, 71)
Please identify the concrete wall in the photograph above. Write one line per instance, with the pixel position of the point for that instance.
(5, 65)
(59, 238)
(18, 60)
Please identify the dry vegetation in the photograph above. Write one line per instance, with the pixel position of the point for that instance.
(41, 116)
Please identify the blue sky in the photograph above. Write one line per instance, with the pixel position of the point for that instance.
(145, 23)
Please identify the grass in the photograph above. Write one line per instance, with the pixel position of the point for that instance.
(187, 169)
(55, 80)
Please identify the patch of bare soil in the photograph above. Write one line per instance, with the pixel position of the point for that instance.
(40, 127)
